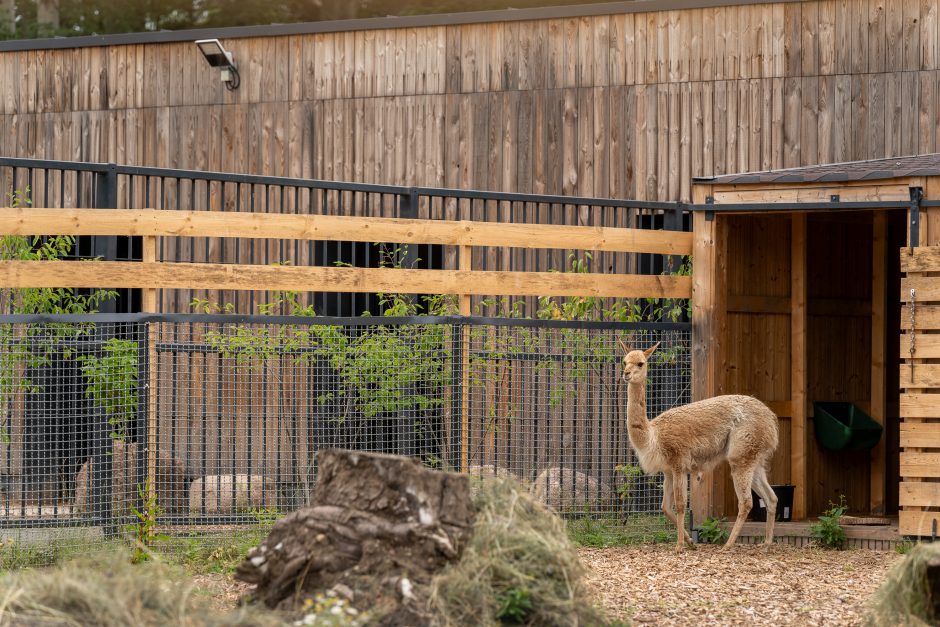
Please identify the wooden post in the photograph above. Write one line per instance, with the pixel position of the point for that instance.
(149, 305)
(149, 255)
(465, 263)
(798, 379)
(705, 295)
(878, 353)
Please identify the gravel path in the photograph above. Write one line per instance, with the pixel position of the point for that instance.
(749, 585)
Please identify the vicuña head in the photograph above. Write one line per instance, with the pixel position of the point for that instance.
(696, 437)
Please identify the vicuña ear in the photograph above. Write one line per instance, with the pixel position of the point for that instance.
(649, 351)
(623, 346)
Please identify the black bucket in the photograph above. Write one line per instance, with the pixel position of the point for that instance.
(784, 504)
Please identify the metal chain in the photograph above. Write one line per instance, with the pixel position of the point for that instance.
(912, 307)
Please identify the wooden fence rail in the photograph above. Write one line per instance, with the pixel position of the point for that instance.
(151, 274)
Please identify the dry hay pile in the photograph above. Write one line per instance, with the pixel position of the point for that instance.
(910, 594)
(114, 593)
(519, 564)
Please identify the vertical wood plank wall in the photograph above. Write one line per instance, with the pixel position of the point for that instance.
(793, 330)
(626, 105)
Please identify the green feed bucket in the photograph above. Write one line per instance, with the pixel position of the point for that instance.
(845, 427)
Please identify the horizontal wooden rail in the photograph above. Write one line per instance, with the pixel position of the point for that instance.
(170, 223)
(920, 259)
(129, 274)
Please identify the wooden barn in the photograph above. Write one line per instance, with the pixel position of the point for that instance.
(809, 296)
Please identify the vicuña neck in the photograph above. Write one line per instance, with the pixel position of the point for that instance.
(638, 425)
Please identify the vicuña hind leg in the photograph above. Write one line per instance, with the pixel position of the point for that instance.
(763, 489)
(743, 478)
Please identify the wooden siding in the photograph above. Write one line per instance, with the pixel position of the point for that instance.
(627, 105)
(755, 335)
(920, 431)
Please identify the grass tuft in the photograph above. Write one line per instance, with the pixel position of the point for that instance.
(519, 567)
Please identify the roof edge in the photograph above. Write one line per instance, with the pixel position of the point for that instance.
(372, 23)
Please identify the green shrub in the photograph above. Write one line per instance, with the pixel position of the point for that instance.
(515, 605)
(711, 532)
(828, 532)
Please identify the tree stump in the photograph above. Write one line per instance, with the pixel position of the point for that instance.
(378, 528)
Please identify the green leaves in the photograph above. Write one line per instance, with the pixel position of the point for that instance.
(27, 347)
(827, 532)
(112, 381)
(711, 531)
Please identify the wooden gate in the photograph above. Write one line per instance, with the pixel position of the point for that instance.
(919, 495)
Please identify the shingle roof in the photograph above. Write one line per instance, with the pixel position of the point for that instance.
(919, 165)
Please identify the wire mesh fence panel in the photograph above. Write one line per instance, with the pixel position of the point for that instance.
(71, 412)
(245, 407)
(548, 407)
(211, 426)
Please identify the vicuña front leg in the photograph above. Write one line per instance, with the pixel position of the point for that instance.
(669, 501)
(743, 477)
(679, 489)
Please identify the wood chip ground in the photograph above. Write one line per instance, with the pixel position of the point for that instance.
(748, 585)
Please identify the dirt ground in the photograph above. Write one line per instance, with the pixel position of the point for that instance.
(749, 585)
(651, 585)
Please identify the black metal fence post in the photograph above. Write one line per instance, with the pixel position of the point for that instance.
(914, 216)
(105, 246)
(456, 370)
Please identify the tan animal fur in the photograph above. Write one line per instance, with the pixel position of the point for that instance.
(696, 437)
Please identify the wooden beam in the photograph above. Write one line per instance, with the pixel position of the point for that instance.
(925, 346)
(798, 381)
(780, 305)
(149, 255)
(882, 193)
(879, 348)
(148, 222)
(465, 262)
(928, 289)
(919, 434)
(921, 375)
(783, 409)
(915, 405)
(918, 523)
(706, 290)
(920, 259)
(125, 274)
(920, 465)
(783, 187)
(926, 317)
(919, 493)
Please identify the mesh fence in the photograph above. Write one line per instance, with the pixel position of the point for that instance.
(221, 421)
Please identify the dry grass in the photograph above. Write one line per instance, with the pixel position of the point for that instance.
(519, 564)
(904, 598)
(114, 593)
(748, 585)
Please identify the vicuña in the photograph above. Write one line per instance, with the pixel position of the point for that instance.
(696, 437)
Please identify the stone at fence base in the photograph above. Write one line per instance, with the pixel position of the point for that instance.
(566, 489)
(170, 482)
(230, 494)
(479, 474)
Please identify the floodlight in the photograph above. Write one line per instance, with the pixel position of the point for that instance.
(219, 57)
